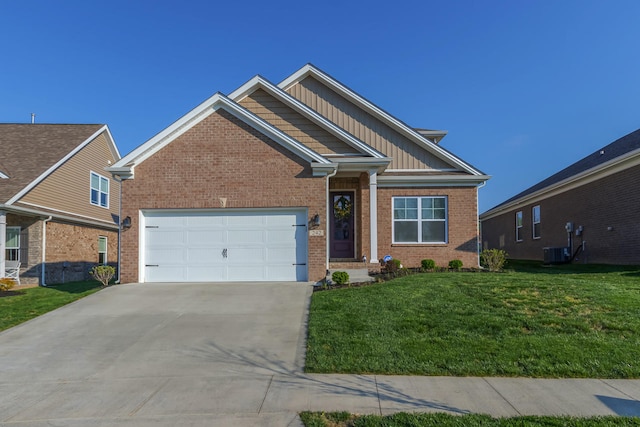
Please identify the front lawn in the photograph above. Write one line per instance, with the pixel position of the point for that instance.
(343, 419)
(18, 306)
(567, 321)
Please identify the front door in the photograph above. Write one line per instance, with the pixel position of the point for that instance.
(341, 242)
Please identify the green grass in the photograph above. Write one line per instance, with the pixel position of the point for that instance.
(565, 322)
(18, 306)
(344, 419)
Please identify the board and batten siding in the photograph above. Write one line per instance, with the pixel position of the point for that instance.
(294, 124)
(326, 102)
(68, 188)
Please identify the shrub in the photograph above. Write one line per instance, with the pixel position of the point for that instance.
(6, 283)
(428, 264)
(103, 273)
(340, 277)
(455, 264)
(493, 259)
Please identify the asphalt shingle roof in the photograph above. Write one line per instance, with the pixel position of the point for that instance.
(28, 150)
(617, 148)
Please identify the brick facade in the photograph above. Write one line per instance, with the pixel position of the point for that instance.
(462, 227)
(607, 209)
(222, 158)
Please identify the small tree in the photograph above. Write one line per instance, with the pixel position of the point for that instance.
(103, 273)
(6, 283)
(455, 264)
(493, 259)
(340, 277)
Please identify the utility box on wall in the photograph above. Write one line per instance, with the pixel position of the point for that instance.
(558, 255)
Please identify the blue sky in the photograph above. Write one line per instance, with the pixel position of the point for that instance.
(524, 88)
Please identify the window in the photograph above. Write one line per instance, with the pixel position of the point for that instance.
(535, 213)
(419, 219)
(12, 247)
(102, 250)
(99, 190)
(519, 226)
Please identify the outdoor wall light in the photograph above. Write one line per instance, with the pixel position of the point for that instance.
(126, 223)
(316, 220)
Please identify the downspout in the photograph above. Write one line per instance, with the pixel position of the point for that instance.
(479, 244)
(329, 207)
(119, 180)
(44, 249)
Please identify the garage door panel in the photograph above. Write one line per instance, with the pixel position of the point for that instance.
(238, 245)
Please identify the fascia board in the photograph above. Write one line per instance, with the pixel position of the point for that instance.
(433, 180)
(49, 171)
(164, 137)
(379, 113)
(3, 176)
(259, 82)
(112, 143)
(323, 169)
(611, 167)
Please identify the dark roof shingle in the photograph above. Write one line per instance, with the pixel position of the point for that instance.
(28, 150)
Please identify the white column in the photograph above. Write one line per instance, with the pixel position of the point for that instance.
(373, 215)
(3, 241)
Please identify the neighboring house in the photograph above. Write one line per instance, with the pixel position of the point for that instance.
(282, 182)
(587, 212)
(58, 205)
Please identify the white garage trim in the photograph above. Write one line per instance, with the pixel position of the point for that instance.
(224, 245)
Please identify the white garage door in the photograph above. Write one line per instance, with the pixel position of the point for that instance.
(206, 246)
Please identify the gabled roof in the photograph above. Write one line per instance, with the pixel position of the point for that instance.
(30, 152)
(612, 155)
(125, 167)
(398, 125)
(260, 83)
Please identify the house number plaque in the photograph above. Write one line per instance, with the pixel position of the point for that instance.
(316, 232)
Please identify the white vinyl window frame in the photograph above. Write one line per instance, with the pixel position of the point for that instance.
(536, 221)
(416, 215)
(519, 226)
(12, 242)
(102, 250)
(99, 195)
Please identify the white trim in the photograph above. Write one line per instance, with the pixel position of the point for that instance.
(3, 176)
(258, 82)
(198, 114)
(49, 171)
(407, 131)
(39, 213)
(373, 216)
(419, 220)
(604, 170)
(431, 180)
(3, 241)
(533, 222)
(521, 226)
(100, 177)
(423, 170)
(106, 250)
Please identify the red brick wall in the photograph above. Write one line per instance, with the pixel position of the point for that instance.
(612, 201)
(222, 157)
(462, 228)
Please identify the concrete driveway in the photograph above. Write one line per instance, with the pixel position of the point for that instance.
(156, 354)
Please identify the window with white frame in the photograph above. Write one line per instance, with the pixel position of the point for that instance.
(12, 248)
(102, 250)
(535, 213)
(99, 190)
(420, 219)
(519, 226)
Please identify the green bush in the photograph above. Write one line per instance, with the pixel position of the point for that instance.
(455, 264)
(493, 259)
(428, 264)
(6, 283)
(103, 273)
(340, 277)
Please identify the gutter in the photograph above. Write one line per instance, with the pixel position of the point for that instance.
(44, 249)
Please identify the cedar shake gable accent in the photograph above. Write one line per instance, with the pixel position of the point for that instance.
(30, 150)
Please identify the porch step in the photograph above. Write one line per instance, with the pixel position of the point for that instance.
(356, 275)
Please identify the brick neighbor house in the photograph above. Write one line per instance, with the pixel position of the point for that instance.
(58, 206)
(587, 212)
(282, 182)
